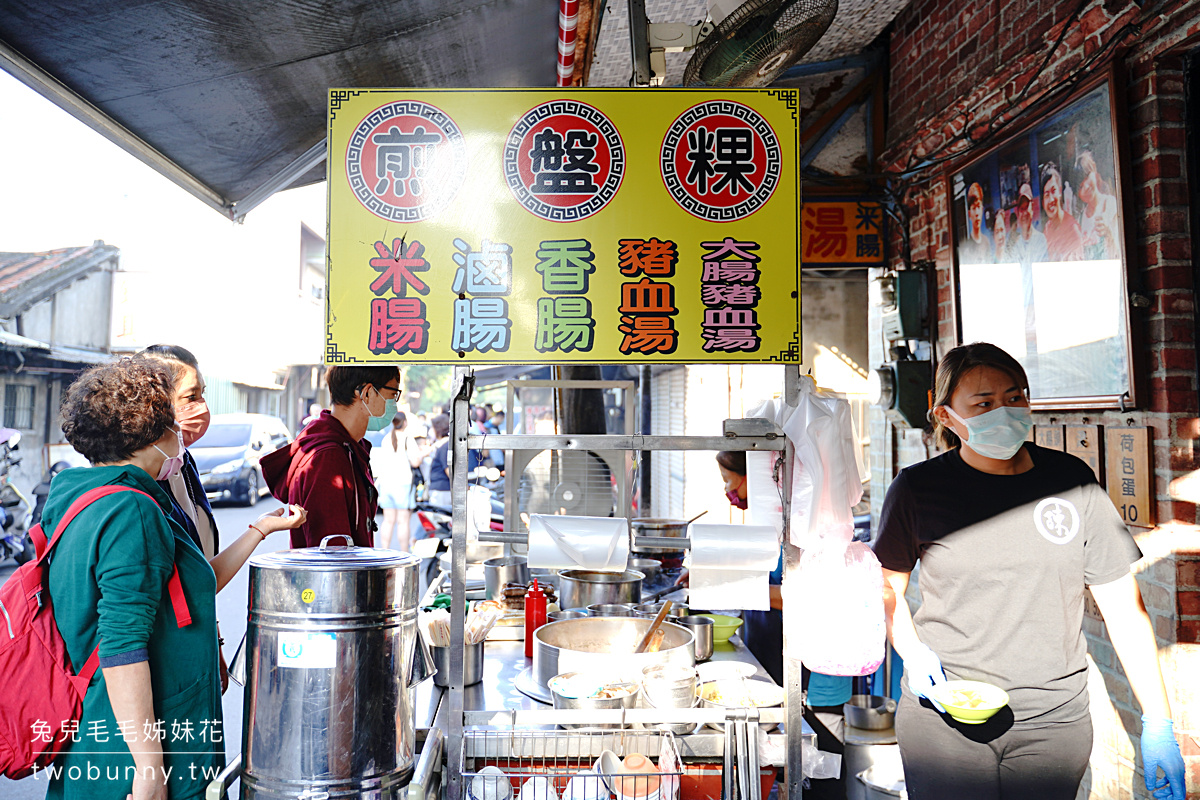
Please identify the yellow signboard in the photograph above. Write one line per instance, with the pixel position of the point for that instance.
(592, 226)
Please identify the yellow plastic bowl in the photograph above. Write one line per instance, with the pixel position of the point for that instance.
(972, 702)
(723, 626)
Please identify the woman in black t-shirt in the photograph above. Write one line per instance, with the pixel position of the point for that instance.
(1009, 535)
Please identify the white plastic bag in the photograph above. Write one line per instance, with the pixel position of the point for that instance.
(764, 501)
(827, 471)
(837, 626)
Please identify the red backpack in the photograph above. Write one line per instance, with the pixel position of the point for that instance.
(34, 657)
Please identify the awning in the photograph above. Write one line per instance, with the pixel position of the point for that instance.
(228, 98)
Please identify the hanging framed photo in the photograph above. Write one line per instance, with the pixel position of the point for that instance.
(1040, 229)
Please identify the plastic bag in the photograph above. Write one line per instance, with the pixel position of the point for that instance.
(764, 501)
(838, 627)
(828, 468)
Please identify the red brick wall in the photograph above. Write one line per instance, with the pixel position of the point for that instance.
(957, 66)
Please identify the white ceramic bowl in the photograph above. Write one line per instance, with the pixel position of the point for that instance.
(490, 784)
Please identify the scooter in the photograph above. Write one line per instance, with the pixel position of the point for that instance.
(15, 508)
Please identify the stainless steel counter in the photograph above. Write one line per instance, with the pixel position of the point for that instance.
(497, 692)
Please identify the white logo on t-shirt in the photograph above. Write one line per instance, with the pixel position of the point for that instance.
(1056, 519)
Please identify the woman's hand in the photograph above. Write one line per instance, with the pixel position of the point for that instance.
(682, 580)
(153, 788)
(282, 519)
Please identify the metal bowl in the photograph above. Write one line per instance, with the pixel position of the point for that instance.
(650, 610)
(870, 712)
(570, 613)
(604, 645)
(563, 701)
(650, 567)
(611, 610)
(762, 694)
(580, 588)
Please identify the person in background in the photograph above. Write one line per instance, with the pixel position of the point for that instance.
(1064, 242)
(763, 635)
(394, 461)
(975, 248)
(439, 463)
(496, 425)
(190, 507)
(328, 468)
(1029, 244)
(314, 413)
(1098, 220)
(1000, 236)
(1010, 536)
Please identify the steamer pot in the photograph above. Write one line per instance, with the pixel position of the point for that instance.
(332, 652)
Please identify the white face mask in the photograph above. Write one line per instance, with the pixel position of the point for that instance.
(998, 433)
(173, 464)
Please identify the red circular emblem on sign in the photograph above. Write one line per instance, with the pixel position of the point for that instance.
(720, 160)
(406, 160)
(564, 160)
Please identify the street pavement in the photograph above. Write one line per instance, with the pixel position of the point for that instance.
(231, 611)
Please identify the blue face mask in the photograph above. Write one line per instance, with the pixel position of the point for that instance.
(998, 433)
(375, 423)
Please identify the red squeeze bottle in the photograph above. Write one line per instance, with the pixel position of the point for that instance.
(535, 615)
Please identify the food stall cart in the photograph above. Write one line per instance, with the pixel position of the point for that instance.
(494, 718)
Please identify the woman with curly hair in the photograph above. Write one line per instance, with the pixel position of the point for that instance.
(115, 580)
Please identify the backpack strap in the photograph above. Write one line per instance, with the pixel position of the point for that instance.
(183, 615)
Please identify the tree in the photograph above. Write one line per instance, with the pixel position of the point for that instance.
(432, 382)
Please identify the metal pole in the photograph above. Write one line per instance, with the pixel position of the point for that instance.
(464, 383)
(794, 770)
(645, 462)
(639, 43)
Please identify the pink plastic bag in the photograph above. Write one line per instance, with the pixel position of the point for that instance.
(835, 609)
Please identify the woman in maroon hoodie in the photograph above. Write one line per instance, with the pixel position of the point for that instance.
(327, 469)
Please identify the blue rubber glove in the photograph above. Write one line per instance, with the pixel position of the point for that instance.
(1160, 749)
(924, 672)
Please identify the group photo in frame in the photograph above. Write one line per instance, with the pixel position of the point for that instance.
(1039, 232)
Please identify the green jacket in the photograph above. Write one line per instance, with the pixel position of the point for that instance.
(108, 583)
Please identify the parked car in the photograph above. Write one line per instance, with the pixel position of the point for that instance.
(228, 453)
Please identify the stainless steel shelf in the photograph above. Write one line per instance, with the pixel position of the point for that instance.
(514, 441)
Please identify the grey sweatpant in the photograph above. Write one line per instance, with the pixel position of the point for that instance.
(947, 760)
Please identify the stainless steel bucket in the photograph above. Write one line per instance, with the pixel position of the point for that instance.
(332, 652)
(580, 588)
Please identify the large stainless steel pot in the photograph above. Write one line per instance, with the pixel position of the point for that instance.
(580, 588)
(604, 645)
(655, 526)
(332, 652)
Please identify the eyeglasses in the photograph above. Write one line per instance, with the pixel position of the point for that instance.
(395, 391)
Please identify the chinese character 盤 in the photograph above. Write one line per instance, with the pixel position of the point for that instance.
(564, 165)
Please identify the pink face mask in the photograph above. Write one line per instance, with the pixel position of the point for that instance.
(193, 421)
(173, 464)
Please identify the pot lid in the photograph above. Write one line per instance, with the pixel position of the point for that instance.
(334, 557)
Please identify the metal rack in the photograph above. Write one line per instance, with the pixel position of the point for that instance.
(559, 755)
(748, 435)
